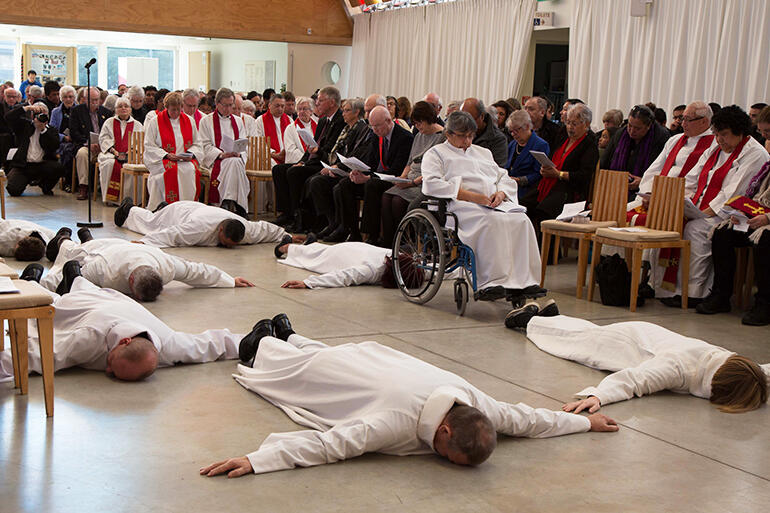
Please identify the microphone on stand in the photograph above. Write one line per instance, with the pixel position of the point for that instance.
(91, 63)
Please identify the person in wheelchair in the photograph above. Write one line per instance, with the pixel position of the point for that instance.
(484, 199)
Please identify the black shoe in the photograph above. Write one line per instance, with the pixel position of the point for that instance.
(285, 240)
(228, 205)
(311, 238)
(491, 293)
(33, 272)
(70, 271)
(47, 192)
(713, 304)
(52, 249)
(520, 317)
(84, 234)
(354, 237)
(283, 220)
(549, 309)
(121, 214)
(646, 291)
(241, 211)
(327, 231)
(338, 235)
(160, 206)
(759, 315)
(676, 301)
(249, 345)
(282, 326)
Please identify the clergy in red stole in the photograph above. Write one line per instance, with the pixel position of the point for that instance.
(273, 124)
(190, 100)
(294, 145)
(722, 173)
(114, 139)
(171, 155)
(229, 185)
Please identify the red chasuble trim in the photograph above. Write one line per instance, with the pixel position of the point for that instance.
(168, 143)
(269, 126)
(313, 126)
(217, 167)
(546, 184)
(121, 145)
(713, 186)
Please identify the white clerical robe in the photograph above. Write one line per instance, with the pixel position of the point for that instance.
(90, 321)
(260, 131)
(340, 265)
(106, 159)
(366, 397)
(13, 230)
(293, 144)
(644, 357)
(250, 125)
(109, 263)
(505, 246)
(233, 184)
(698, 231)
(190, 223)
(153, 159)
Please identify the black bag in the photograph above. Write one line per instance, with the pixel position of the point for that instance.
(614, 281)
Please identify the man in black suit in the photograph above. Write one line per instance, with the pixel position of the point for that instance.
(7, 137)
(84, 119)
(35, 158)
(289, 180)
(546, 129)
(388, 154)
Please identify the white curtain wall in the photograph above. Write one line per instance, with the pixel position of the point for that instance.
(682, 51)
(460, 49)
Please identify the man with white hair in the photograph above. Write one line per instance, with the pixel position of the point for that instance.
(35, 158)
(218, 130)
(84, 120)
(135, 95)
(249, 123)
(190, 106)
(114, 140)
(7, 137)
(546, 129)
(34, 94)
(273, 124)
(371, 102)
(60, 119)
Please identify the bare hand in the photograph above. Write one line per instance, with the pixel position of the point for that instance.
(94, 148)
(357, 177)
(292, 284)
(634, 182)
(602, 423)
(278, 156)
(313, 150)
(591, 403)
(758, 221)
(646, 202)
(229, 155)
(709, 212)
(173, 157)
(136, 242)
(242, 282)
(496, 199)
(326, 172)
(235, 467)
(549, 172)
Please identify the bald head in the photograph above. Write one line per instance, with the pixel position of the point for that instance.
(11, 96)
(380, 121)
(133, 359)
(94, 99)
(372, 101)
(434, 100)
(475, 108)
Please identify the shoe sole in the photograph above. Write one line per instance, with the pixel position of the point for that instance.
(550, 309)
(520, 317)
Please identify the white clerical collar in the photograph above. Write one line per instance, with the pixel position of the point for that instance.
(435, 409)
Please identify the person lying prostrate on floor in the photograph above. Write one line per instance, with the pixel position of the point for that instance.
(102, 329)
(134, 269)
(646, 358)
(23, 240)
(190, 223)
(346, 264)
(367, 397)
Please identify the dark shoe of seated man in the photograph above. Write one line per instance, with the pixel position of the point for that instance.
(247, 349)
(70, 271)
(712, 304)
(759, 315)
(33, 272)
(121, 214)
(52, 249)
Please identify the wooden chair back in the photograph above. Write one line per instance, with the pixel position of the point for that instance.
(610, 196)
(136, 148)
(666, 210)
(259, 153)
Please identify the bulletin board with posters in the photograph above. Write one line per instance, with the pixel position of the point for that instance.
(56, 63)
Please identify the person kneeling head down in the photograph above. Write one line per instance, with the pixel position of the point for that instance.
(30, 248)
(739, 386)
(133, 359)
(230, 233)
(466, 436)
(412, 275)
(146, 284)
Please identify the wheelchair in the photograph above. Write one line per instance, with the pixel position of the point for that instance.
(429, 236)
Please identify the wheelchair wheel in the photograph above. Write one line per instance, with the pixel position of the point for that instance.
(421, 238)
(461, 296)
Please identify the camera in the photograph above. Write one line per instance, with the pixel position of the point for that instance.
(42, 117)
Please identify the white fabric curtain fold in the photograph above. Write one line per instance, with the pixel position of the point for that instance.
(460, 49)
(683, 50)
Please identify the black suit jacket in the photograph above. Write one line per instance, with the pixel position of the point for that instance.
(356, 143)
(139, 114)
(23, 127)
(398, 151)
(581, 166)
(327, 132)
(80, 123)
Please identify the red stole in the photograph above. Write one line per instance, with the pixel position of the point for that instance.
(168, 143)
(382, 162)
(217, 167)
(269, 126)
(713, 186)
(121, 145)
(546, 184)
(197, 116)
(313, 126)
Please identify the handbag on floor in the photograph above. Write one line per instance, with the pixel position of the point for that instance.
(614, 281)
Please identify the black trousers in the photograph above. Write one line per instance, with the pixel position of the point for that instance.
(371, 215)
(281, 184)
(296, 177)
(346, 193)
(45, 173)
(723, 254)
(550, 207)
(393, 211)
(321, 189)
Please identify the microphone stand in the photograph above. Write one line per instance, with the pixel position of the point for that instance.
(90, 223)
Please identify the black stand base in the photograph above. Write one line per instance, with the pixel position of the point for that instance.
(95, 224)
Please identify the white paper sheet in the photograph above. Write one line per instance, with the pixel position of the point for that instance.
(307, 137)
(337, 171)
(7, 286)
(391, 178)
(508, 207)
(542, 158)
(226, 143)
(571, 210)
(94, 138)
(353, 163)
(240, 145)
(631, 229)
(691, 211)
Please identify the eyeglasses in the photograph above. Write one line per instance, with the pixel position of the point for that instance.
(690, 120)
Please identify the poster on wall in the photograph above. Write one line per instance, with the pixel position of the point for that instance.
(259, 75)
(51, 63)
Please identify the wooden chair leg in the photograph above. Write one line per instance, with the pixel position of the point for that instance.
(2, 198)
(275, 200)
(255, 198)
(135, 179)
(14, 352)
(581, 266)
(684, 265)
(20, 326)
(45, 334)
(636, 270)
(556, 242)
(544, 247)
(594, 262)
(2, 335)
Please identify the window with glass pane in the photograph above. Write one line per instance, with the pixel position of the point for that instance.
(165, 64)
(85, 54)
(6, 62)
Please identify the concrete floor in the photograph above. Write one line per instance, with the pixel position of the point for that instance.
(137, 447)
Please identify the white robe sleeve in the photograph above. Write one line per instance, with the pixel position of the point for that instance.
(259, 127)
(524, 421)
(197, 274)
(292, 145)
(153, 151)
(206, 347)
(106, 137)
(172, 237)
(654, 169)
(359, 275)
(282, 451)
(434, 183)
(206, 138)
(506, 185)
(262, 231)
(196, 148)
(737, 180)
(654, 375)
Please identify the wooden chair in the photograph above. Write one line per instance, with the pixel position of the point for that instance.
(665, 221)
(609, 209)
(3, 182)
(31, 303)
(206, 177)
(258, 169)
(744, 277)
(5, 272)
(135, 167)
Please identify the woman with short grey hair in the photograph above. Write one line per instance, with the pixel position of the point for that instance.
(521, 165)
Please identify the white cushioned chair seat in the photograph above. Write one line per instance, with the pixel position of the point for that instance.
(646, 235)
(135, 168)
(7, 272)
(259, 174)
(31, 295)
(588, 227)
